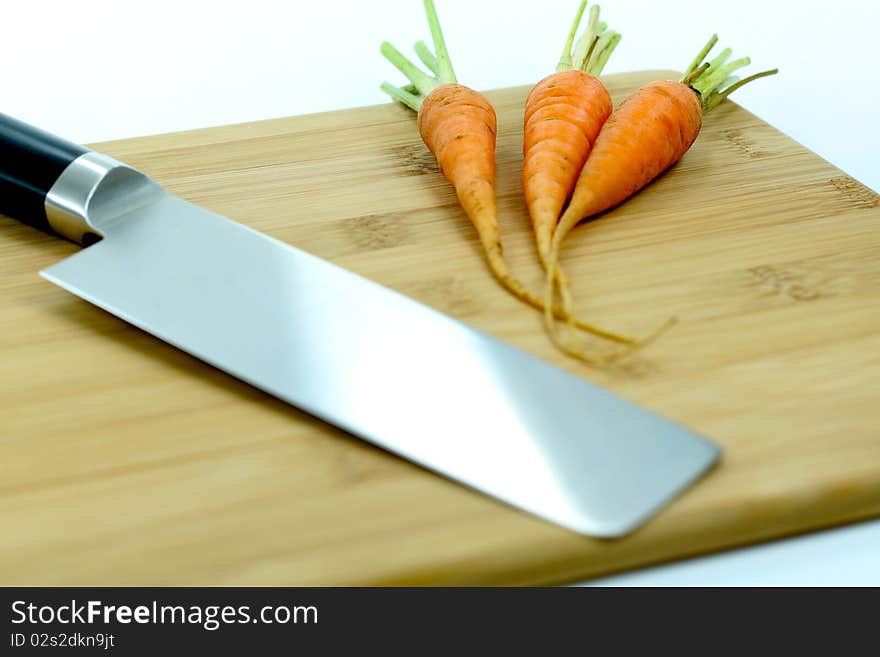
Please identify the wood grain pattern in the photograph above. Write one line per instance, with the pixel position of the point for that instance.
(125, 461)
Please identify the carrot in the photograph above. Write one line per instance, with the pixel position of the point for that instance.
(646, 135)
(458, 125)
(563, 115)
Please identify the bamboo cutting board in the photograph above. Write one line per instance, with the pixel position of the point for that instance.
(125, 461)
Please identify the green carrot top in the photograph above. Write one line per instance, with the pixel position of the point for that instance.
(593, 48)
(439, 64)
(714, 81)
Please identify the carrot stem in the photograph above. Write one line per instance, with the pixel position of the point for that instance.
(719, 61)
(728, 81)
(401, 95)
(565, 62)
(579, 56)
(698, 60)
(423, 82)
(717, 98)
(693, 75)
(427, 57)
(713, 81)
(605, 50)
(591, 51)
(444, 63)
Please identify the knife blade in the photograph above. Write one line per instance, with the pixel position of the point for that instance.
(346, 349)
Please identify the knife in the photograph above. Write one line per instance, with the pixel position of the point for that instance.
(345, 349)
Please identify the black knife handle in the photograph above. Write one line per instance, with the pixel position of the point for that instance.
(31, 160)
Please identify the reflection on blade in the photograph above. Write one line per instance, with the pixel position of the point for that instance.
(387, 368)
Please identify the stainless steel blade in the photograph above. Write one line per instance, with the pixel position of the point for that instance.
(386, 368)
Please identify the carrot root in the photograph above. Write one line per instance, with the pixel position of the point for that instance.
(576, 352)
(579, 352)
(501, 272)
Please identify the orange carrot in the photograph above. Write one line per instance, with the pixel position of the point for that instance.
(563, 115)
(646, 135)
(458, 125)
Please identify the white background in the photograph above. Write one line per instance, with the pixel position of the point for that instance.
(93, 70)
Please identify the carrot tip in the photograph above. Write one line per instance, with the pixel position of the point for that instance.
(629, 350)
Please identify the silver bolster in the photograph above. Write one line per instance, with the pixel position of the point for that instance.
(94, 191)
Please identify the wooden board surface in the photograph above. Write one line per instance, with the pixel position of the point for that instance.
(125, 461)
